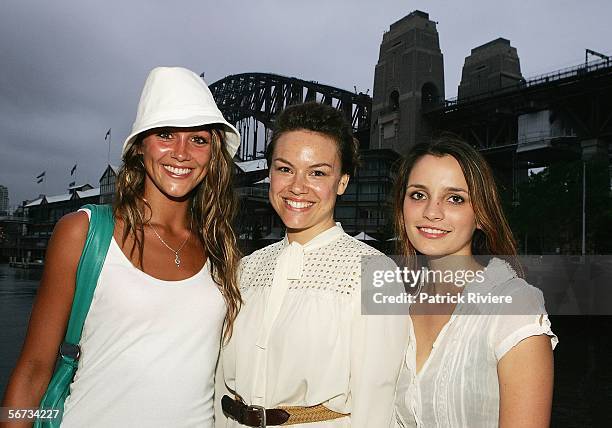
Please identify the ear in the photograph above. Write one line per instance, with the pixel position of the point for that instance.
(344, 180)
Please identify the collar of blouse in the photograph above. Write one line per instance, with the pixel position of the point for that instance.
(293, 253)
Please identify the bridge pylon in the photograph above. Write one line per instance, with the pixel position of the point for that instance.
(409, 77)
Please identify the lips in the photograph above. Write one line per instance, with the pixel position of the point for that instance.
(177, 171)
(299, 205)
(432, 232)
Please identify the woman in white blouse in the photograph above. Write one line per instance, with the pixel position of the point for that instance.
(468, 365)
(301, 352)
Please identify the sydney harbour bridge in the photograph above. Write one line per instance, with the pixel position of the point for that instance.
(582, 93)
(252, 100)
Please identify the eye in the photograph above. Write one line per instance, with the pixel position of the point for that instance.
(164, 135)
(283, 169)
(456, 199)
(417, 196)
(318, 173)
(200, 140)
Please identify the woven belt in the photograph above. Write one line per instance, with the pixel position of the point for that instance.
(257, 416)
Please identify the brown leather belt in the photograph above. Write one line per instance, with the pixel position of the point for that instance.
(257, 416)
(253, 416)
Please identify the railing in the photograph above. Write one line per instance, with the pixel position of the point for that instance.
(252, 192)
(542, 79)
(361, 221)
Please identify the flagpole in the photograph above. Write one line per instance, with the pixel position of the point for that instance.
(110, 138)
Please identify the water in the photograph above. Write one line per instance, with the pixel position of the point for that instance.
(583, 374)
(17, 290)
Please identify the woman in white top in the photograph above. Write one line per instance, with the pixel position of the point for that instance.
(468, 365)
(301, 351)
(151, 337)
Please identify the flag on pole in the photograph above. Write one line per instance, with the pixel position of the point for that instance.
(107, 134)
(41, 175)
(40, 180)
(73, 169)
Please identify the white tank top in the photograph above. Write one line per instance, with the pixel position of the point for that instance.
(148, 350)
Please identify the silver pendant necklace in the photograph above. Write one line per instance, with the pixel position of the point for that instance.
(177, 258)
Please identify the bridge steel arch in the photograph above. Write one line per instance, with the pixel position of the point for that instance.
(252, 100)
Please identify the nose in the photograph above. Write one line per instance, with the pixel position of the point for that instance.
(433, 210)
(181, 148)
(298, 185)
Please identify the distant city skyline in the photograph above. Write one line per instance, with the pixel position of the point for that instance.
(72, 70)
(4, 199)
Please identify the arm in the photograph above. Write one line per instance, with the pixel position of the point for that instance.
(378, 346)
(50, 314)
(526, 384)
(220, 386)
(220, 391)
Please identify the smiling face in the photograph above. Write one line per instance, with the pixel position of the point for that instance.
(305, 178)
(175, 160)
(438, 213)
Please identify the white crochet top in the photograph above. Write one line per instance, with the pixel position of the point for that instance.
(300, 338)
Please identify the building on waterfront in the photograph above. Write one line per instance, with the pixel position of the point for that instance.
(42, 214)
(107, 184)
(4, 200)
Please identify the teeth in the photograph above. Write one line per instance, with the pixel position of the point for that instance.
(434, 231)
(177, 171)
(295, 204)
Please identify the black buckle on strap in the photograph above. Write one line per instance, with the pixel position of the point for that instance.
(70, 350)
(253, 416)
(261, 411)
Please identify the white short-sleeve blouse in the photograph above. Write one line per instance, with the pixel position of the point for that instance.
(300, 338)
(458, 384)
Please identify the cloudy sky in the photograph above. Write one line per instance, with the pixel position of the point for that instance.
(72, 69)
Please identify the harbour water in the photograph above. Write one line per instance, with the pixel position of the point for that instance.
(583, 373)
(17, 291)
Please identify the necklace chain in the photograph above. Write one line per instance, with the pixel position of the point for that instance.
(177, 258)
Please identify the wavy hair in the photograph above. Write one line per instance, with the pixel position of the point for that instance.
(494, 236)
(213, 207)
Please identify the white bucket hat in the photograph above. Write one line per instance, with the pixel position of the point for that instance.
(177, 97)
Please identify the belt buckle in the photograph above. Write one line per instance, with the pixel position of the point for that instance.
(262, 411)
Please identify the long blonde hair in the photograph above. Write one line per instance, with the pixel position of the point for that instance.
(213, 206)
(494, 236)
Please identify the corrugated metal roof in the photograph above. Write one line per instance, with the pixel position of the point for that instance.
(88, 193)
(59, 198)
(34, 203)
(253, 165)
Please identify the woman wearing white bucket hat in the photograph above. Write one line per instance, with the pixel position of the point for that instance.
(167, 292)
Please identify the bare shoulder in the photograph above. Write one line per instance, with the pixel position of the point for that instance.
(72, 227)
(64, 251)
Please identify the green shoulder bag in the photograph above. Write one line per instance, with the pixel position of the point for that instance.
(99, 236)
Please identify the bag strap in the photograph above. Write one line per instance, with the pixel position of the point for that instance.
(101, 225)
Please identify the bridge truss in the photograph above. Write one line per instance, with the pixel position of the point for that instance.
(252, 100)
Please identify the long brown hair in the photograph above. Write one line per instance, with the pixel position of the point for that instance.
(213, 207)
(494, 236)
